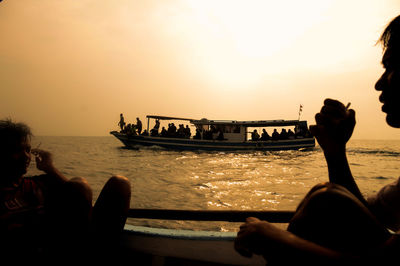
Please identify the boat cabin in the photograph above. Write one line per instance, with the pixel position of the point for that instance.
(233, 130)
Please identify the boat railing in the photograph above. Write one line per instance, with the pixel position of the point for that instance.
(163, 246)
(273, 216)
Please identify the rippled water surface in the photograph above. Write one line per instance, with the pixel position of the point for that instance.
(201, 180)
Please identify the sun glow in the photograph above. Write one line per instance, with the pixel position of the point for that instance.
(259, 28)
(236, 43)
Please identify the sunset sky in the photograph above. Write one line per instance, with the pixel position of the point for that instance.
(71, 67)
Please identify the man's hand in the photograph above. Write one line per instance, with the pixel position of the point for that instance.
(44, 160)
(254, 236)
(335, 125)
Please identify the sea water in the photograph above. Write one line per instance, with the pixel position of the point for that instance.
(185, 180)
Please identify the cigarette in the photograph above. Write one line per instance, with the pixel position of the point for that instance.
(347, 106)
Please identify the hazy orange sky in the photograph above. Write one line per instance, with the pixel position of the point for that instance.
(71, 67)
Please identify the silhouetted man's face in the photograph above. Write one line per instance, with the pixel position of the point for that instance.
(389, 84)
(16, 161)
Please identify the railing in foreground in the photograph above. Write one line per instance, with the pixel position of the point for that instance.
(211, 215)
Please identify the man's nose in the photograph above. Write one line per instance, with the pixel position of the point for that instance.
(379, 84)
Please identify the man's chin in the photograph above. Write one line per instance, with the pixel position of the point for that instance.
(393, 121)
(21, 171)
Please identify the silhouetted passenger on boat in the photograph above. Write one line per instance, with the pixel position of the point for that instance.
(130, 129)
(275, 134)
(307, 133)
(213, 129)
(207, 135)
(164, 132)
(290, 134)
(302, 132)
(220, 135)
(121, 122)
(265, 136)
(334, 224)
(181, 131)
(254, 135)
(283, 135)
(48, 219)
(187, 132)
(145, 133)
(154, 130)
(138, 125)
(298, 132)
(171, 130)
(198, 134)
(157, 125)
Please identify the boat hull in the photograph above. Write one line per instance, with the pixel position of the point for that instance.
(133, 141)
(156, 246)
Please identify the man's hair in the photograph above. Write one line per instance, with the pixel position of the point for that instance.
(12, 133)
(391, 35)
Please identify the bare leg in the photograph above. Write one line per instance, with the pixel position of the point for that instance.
(109, 216)
(333, 217)
(112, 206)
(69, 222)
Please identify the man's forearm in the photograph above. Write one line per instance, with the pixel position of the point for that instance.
(340, 173)
(289, 248)
(55, 173)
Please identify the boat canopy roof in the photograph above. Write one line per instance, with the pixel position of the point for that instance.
(257, 123)
(159, 117)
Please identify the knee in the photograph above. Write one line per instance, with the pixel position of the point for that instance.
(329, 196)
(328, 188)
(78, 182)
(321, 202)
(318, 188)
(119, 184)
(321, 187)
(78, 187)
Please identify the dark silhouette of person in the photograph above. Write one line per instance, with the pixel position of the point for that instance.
(265, 136)
(144, 133)
(181, 131)
(275, 134)
(220, 135)
(171, 130)
(254, 135)
(187, 132)
(198, 134)
(290, 134)
(48, 217)
(154, 130)
(207, 135)
(121, 122)
(138, 125)
(164, 132)
(334, 224)
(283, 134)
(213, 129)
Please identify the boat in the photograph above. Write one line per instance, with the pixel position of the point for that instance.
(160, 246)
(235, 135)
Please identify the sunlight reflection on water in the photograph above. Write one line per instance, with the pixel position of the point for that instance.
(228, 181)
